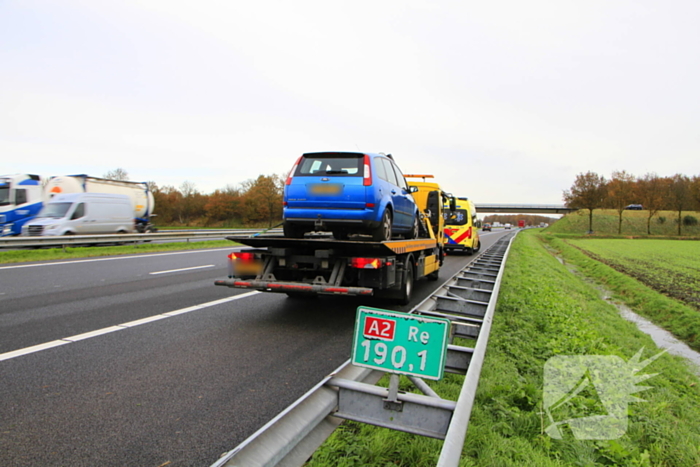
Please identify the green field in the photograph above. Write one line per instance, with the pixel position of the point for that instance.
(668, 266)
(634, 223)
(544, 310)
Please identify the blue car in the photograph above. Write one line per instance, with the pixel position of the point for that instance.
(349, 193)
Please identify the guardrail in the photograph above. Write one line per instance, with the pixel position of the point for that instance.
(468, 300)
(175, 235)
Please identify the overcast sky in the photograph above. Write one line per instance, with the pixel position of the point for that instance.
(503, 101)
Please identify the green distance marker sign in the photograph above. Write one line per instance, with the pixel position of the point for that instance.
(400, 343)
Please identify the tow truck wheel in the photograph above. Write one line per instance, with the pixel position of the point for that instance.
(383, 232)
(407, 285)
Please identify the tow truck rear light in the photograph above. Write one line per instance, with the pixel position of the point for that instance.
(366, 263)
(294, 169)
(367, 174)
(244, 257)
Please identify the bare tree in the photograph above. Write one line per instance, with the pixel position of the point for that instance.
(620, 194)
(695, 191)
(116, 174)
(679, 196)
(192, 204)
(587, 192)
(651, 192)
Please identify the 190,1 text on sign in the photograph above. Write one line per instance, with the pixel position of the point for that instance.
(400, 343)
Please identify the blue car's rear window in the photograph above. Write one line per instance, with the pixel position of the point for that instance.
(328, 165)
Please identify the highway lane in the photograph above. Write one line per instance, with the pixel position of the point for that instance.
(51, 300)
(183, 389)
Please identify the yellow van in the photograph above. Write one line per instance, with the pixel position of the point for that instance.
(461, 233)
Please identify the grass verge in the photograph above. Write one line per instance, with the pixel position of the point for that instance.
(545, 311)
(675, 316)
(52, 254)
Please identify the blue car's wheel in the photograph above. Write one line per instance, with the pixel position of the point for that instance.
(383, 231)
(415, 229)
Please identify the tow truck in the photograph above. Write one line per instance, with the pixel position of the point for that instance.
(321, 265)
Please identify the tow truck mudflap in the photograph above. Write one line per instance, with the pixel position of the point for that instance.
(284, 287)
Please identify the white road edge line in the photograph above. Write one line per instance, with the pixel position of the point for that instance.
(115, 258)
(182, 269)
(118, 327)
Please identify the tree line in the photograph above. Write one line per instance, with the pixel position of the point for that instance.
(653, 193)
(255, 203)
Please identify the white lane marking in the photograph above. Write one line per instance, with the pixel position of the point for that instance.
(32, 349)
(114, 258)
(183, 269)
(118, 327)
(88, 335)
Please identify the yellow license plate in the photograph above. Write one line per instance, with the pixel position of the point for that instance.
(247, 269)
(326, 189)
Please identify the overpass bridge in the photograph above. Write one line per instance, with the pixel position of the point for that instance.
(523, 208)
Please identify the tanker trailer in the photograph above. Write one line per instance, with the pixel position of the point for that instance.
(138, 192)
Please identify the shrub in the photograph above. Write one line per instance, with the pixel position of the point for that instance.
(661, 220)
(690, 220)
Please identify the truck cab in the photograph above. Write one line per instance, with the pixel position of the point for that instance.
(434, 204)
(21, 197)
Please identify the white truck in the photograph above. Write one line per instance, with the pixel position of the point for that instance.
(21, 198)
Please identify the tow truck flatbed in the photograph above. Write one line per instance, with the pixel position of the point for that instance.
(322, 265)
(341, 247)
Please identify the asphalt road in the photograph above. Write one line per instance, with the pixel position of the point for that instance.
(84, 383)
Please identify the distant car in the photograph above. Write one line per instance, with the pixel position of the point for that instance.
(486, 226)
(634, 207)
(507, 226)
(349, 193)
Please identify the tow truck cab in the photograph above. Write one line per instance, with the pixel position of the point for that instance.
(433, 203)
